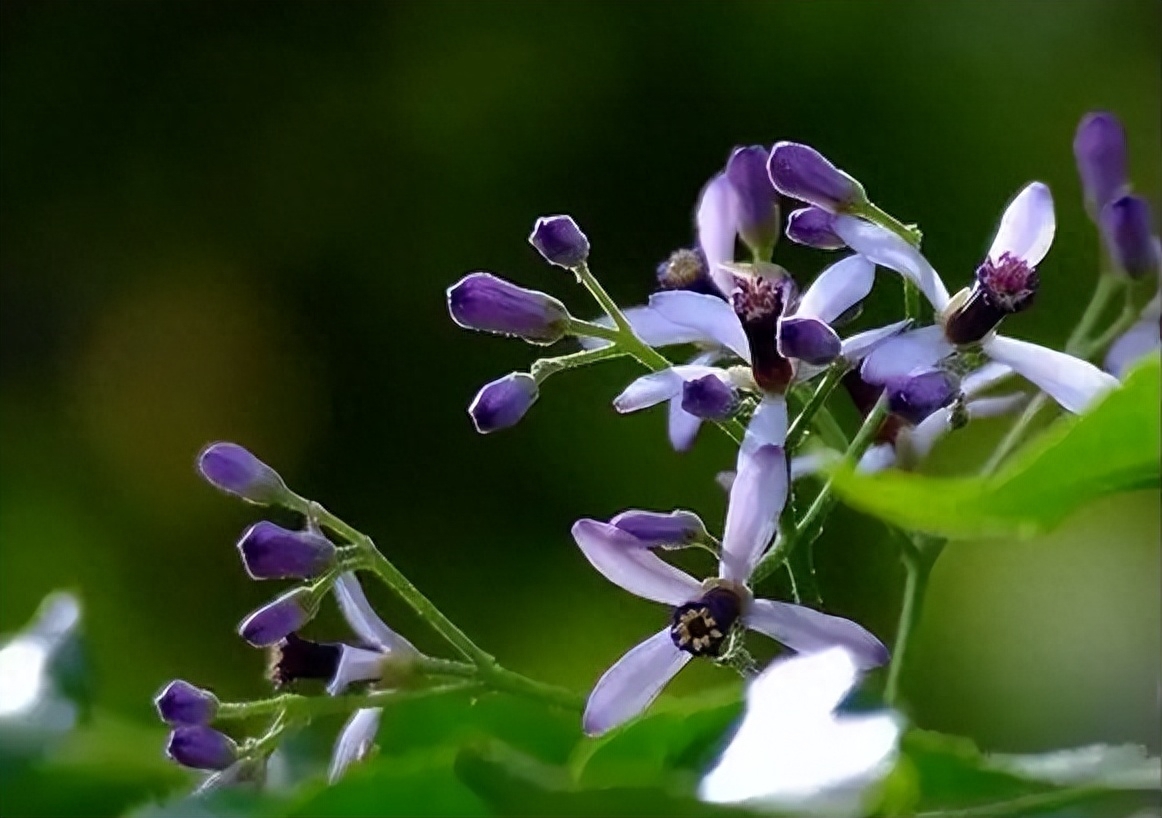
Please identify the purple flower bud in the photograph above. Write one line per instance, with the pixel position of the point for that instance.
(503, 402)
(1127, 229)
(484, 302)
(272, 552)
(279, 618)
(803, 173)
(560, 241)
(236, 471)
(1100, 150)
(201, 747)
(915, 397)
(814, 227)
(709, 398)
(758, 203)
(180, 703)
(808, 339)
(656, 529)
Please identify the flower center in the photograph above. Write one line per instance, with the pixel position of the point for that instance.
(1002, 288)
(758, 302)
(295, 658)
(701, 627)
(685, 269)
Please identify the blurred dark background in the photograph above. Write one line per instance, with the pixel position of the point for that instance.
(238, 220)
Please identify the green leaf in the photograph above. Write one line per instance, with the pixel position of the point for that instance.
(1112, 448)
(1124, 766)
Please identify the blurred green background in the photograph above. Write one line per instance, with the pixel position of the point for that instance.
(238, 221)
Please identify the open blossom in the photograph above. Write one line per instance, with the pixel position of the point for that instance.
(1006, 282)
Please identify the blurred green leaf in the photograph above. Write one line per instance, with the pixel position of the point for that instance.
(1112, 448)
(1124, 766)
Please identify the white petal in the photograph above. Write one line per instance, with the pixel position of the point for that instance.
(837, 289)
(983, 378)
(877, 458)
(752, 516)
(355, 740)
(649, 326)
(812, 463)
(619, 557)
(1027, 226)
(650, 390)
(923, 437)
(634, 681)
(363, 619)
(682, 426)
(1070, 381)
(1138, 342)
(806, 630)
(356, 665)
(917, 349)
(711, 317)
(887, 249)
(768, 424)
(857, 347)
(994, 407)
(717, 222)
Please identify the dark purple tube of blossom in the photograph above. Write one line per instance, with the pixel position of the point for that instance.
(180, 703)
(270, 551)
(917, 396)
(234, 470)
(758, 201)
(814, 227)
(1100, 150)
(809, 340)
(201, 747)
(279, 618)
(1127, 227)
(503, 402)
(481, 301)
(709, 398)
(560, 241)
(803, 173)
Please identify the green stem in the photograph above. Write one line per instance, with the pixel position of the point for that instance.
(1129, 316)
(591, 330)
(544, 367)
(911, 300)
(297, 707)
(819, 397)
(872, 213)
(918, 563)
(1024, 805)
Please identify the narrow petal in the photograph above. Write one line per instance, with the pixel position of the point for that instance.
(768, 424)
(752, 516)
(877, 458)
(858, 346)
(648, 325)
(717, 222)
(808, 631)
(713, 318)
(656, 528)
(837, 289)
(1027, 226)
(363, 619)
(812, 463)
(984, 378)
(1070, 381)
(649, 390)
(619, 557)
(886, 249)
(900, 356)
(355, 741)
(355, 665)
(1138, 342)
(924, 436)
(634, 681)
(682, 426)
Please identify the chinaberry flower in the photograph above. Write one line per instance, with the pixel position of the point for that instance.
(814, 227)
(481, 301)
(793, 752)
(231, 468)
(1128, 230)
(1005, 283)
(201, 747)
(278, 618)
(180, 703)
(803, 173)
(503, 402)
(1100, 150)
(1138, 341)
(560, 241)
(270, 551)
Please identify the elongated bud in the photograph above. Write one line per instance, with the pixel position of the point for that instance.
(234, 470)
(1128, 232)
(814, 227)
(503, 402)
(757, 200)
(180, 703)
(709, 398)
(270, 551)
(809, 340)
(660, 530)
(560, 241)
(481, 301)
(915, 397)
(803, 173)
(1100, 150)
(279, 618)
(202, 748)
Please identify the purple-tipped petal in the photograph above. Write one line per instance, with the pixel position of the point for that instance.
(709, 397)
(560, 241)
(1027, 226)
(634, 681)
(503, 402)
(837, 289)
(649, 390)
(860, 345)
(681, 426)
(201, 747)
(752, 516)
(814, 227)
(481, 301)
(904, 354)
(619, 557)
(757, 200)
(803, 173)
(649, 326)
(234, 470)
(713, 318)
(660, 529)
(915, 397)
(270, 551)
(355, 741)
(279, 618)
(886, 249)
(1140, 340)
(1100, 150)
(717, 221)
(808, 631)
(809, 340)
(1072, 382)
(363, 619)
(1128, 230)
(181, 703)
